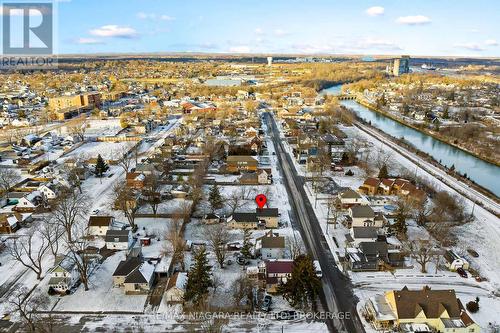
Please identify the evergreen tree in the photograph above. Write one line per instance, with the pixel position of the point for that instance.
(215, 198)
(198, 278)
(100, 167)
(446, 113)
(245, 250)
(383, 173)
(303, 287)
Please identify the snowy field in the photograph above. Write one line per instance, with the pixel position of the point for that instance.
(108, 150)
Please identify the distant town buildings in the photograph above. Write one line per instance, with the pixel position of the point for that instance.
(399, 66)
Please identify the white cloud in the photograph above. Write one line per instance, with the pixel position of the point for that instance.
(89, 41)
(113, 30)
(239, 49)
(375, 11)
(153, 16)
(491, 42)
(469, 46)
(413, 20)
(280, 33)
(259, 31)
(166, 18)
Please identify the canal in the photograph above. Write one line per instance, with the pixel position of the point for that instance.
(482, 172)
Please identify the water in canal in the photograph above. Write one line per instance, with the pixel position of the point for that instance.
(483, 173)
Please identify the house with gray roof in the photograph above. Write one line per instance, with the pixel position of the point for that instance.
(118, 239)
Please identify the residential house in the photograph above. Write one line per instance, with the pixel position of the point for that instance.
(135, 180)
(118, 239)
(135, 275)
(271, 246)
(64, 274)
(269, 215)
(441, 310)
(176, 287)
(30, 203)
(11, 222)
(99, 225)
(243, 221)
(236, 163)
(263, 177)
(349, 198)
(369, 256)
(48, 190)
(362, 216)
(211, 218)
(358, 235)
(370, 186)
(276, 272)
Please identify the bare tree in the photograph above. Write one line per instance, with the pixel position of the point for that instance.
(235, 201)
(176, 239)
(78, 255)
(294, 246)
(217, 282)
(27, 308)
(69, 211)
(218, 237)
(8, 178)
(125, 200)
(151, 191)
(29, 250)
(125, 157)
(78, 127)
(422, 250)
(52, 231)
(242, 289)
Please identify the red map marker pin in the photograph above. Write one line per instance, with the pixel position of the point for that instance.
(261, 200)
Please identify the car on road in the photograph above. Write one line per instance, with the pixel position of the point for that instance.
(462, 272)
(266, 303)
(473, 252)
(317, 269)
(241, 260)
(287, 315)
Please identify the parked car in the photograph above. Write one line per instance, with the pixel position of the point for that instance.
(287, 315)
(462, 272)
(473, 252)
(95, 212)
(266, 303)
(241, 260)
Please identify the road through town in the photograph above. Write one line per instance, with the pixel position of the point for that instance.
(337, 296)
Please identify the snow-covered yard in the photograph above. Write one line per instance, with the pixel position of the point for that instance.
(102, 296)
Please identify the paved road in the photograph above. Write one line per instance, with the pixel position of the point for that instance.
(337, 290)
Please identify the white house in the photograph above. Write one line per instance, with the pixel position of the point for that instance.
(118, 239)
(99, 225)
(263, 177)
(349, 198)
(364, 216)
(176, 287)
(64, 274)
(454, 261)
(271, 246)
(48, 191)
(30, 202)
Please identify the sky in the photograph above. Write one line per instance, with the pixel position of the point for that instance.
(423, 27)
